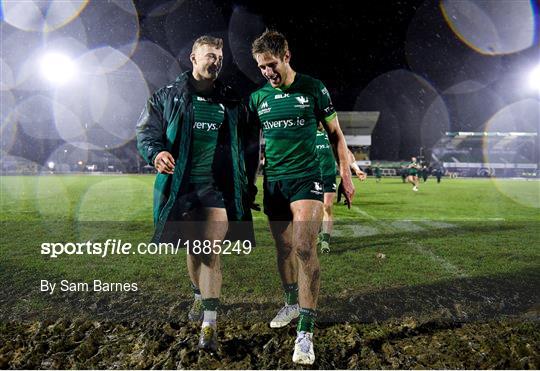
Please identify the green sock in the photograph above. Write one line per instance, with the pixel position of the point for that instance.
(325, 237)
(210, 304)
(307, 320)
(291, 293)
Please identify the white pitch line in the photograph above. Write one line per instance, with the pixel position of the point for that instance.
(449, 267)
(362, 212)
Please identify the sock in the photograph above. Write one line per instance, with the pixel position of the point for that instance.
(307, 320)
(196, 291)
(210, 306)
(291, 293)
(325, 237)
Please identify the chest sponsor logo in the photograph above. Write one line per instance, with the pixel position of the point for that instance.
(323, 146)
(264, 108)
(283, 124)
(304, 102)
(206, 126)
(281, 96)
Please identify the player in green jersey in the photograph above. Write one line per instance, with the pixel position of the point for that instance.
(412, 178)
(191, 131)
(377, 172)
(327, 165)
(288, 108)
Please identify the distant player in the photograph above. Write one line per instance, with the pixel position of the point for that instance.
(438, 174)
(404, 172)
(377, 172)
(412, 178)
(425, 173)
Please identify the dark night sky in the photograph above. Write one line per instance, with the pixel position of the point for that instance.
(366, 53)
(426, 74)
(344, 46)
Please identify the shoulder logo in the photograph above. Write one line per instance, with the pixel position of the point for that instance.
(264, 105)
(324, 91)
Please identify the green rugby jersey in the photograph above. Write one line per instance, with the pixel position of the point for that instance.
(413, 170)
(288, 119)
(209, 117)
(325, 153)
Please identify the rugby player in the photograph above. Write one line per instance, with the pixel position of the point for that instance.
(289, 107)
(412, 176)
(327, 164)
(377, 172)
(191, 131)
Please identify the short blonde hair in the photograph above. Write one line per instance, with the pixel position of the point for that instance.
(272, 42)
(216, 42)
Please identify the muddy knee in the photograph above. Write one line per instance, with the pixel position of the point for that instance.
(328, 209)
(304, 253)
(284, 252)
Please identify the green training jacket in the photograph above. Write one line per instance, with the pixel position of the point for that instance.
(166, 124)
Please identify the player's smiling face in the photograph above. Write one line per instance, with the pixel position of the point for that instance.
(207, 61)
(273, 68)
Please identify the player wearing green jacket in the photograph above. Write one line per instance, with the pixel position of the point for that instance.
(194, 132)
(289, 107)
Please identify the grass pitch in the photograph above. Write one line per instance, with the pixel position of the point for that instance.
(404, 267)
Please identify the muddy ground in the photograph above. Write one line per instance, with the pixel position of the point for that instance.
(85, 344)
(478, 323)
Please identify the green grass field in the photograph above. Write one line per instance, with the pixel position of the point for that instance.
(464, 249)
(455, 229)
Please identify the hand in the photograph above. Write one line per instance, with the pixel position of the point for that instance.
(361, 175)
(252, 192)
(347, 189)
(164, 162)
